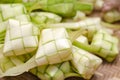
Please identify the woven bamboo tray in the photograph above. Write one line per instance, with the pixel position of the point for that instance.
(107, 71)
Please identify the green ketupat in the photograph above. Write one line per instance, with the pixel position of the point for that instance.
(45, 17)
(9, 62)
(103, 44)
(10, 1)
(5, 62)
(106, 44)
(79, 16)
(52, 5)
(11, 10)
(21, 38)
(110, 25)
(15, 11)
(98, 4)
(88, 1)
(61, 7)
(84, 62)
(3, 26)
(90, 25)
(55, 72)
(83, 24)
(111, 16)
(7, 11)
(54, 44)
(49, 53)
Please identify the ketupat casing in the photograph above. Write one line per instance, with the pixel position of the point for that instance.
(5, 62)
(103, 44)
(14, 11)
(45, 17)
(61, 7)
(55, 72)
(84, 68)
(106, 44)
(21, 38)
(111, 16)
(84, 62)
(9, 62)
(92, 23)
(54, 44)
(51, 47)
(11, 1)
(11, 10)
(49, 69)
(8, 11)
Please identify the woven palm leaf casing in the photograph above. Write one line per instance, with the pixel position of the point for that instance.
(84, 62)
(54, 44)
(21, 38)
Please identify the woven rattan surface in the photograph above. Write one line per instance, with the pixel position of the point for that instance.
(108, 71)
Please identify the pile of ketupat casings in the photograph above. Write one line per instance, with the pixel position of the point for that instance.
(51, 46)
